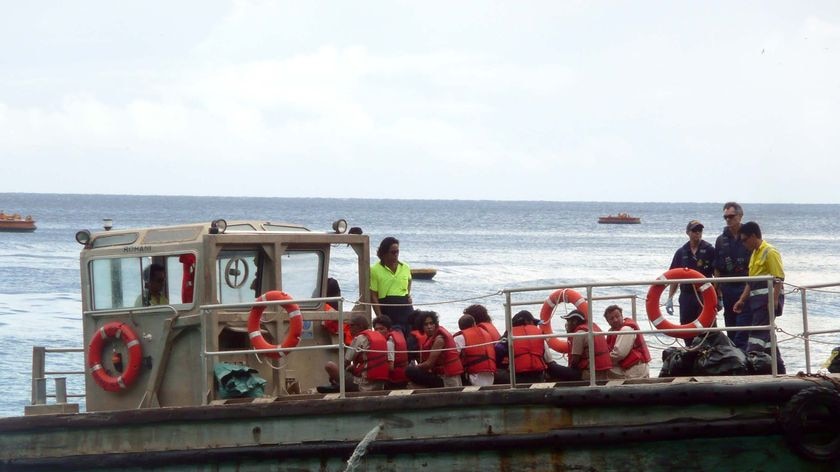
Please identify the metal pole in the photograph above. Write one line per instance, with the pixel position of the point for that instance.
(341, 371)
(39, 391)
(805, 332)
(590, 338)
(509, 328)
(771, 311)
(39, 355)
(61, 389)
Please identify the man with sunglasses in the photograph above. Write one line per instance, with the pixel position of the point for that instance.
(753, 302)
(698, 255)
(732, 260)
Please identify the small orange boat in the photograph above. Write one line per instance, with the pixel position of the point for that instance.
(423, 274)
(14, 223)
(620, 219)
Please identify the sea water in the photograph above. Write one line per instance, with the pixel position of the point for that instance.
(478, 248)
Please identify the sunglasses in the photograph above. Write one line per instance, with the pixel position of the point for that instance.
(729, 217)
(699, 230)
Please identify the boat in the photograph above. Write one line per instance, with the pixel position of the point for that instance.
(15, 223)
(619, 219)
(423, 273)
(200, 383)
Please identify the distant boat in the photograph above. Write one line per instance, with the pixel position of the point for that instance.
(14, 223)
(423, 274)
(619, 219)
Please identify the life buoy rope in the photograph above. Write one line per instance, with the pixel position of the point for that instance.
(565, 295)
(123, 332)
(295, 324)
(704, 320)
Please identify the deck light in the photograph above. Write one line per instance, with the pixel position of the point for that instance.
(83, 237)
(339, 226)
(107, 223)
(218, 226)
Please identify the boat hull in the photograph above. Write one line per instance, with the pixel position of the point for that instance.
(647, 425)
(17, 227)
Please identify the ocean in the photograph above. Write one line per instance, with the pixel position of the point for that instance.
(477, 247)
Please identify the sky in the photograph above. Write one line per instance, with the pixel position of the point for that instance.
(649, 101)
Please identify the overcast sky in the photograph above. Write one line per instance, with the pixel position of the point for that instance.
(521, 100)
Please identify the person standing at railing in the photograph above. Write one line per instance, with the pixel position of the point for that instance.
(390, 285)
(732, 260)
(765, 260)
(698, 255)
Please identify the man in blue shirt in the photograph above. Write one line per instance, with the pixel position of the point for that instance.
(698, 255)
(732, 259)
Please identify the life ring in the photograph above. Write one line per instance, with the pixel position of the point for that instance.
(565, 295)
(295, 324)
(123, 332)
(814, 407)
(707, 316)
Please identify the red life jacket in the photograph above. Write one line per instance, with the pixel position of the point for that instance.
(448, 363)
(491, 330)
(400, 357)
(419, 336)
(332, 327)
(602, 351)
(374, 361)
(528, 353)
(188, 277)
(638, 353)
(478, 355)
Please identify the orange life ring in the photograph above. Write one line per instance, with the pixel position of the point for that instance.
(295, 324)
(123, 332)
(707, 316)
(565, 295)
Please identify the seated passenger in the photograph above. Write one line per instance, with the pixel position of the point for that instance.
(629, 352)
(365, 359)
(482, 320)
(397, 352)
(441, 365)
(578, 368)
(334, 290)
(477, 353)
(416, 337)
(154, 282)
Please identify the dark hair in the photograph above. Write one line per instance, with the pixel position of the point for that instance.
(479, 313)
(613, 307)
(422, 315)
(333, 290)
(466, 321)
(522, 318)
(360, 321)
(735, 206)
(384, 320)
(153, 269)
(385, 246)
(751, 228)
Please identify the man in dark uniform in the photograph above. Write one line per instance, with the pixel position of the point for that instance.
(698, 255)
(732, 259)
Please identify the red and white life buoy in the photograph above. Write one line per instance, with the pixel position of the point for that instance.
(295, 324)
(565, 295)
(707, 316)
(121, 331)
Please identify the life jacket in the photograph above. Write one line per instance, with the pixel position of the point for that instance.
(602, 351)
(528, 353)
(448, 363)
(419, 336)
(638, 353)
(478, 354)
(374, 361)
(188, 277)
(491, 330)
(332, 327)
(397, 375)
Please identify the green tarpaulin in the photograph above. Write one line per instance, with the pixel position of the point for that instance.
(237, 381)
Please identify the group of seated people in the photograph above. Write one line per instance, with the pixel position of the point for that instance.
(380, 357)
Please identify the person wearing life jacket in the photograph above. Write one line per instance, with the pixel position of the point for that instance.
(334, 290)
(482, 320)
(578, 368)
(415, 337)
(478, 355)
(365, 359)
(441, 365)
(397, 352)
(629, 352)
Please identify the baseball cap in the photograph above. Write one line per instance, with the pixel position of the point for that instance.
(693, 224)
(574, 314)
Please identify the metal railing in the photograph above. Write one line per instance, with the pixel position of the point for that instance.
(40, 375)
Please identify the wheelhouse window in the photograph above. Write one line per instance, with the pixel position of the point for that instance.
(130, 282)
(301, 274)
(239, 275)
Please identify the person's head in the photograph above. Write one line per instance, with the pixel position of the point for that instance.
(389, 250)
(358, 323)
(466, 321)
(479, 313)
(155, 276)
(573, 319)
(429, 322)
(382, 324)
(333, 290)
(694, 230)
(523, 318)
(413, 322)
(614, 316)
(750, 235)
(732, 213)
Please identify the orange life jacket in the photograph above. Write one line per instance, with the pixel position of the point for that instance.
(528, 353)
(374, 361)
(332, 327)
(188, 277)
(638, 353)
(491, 330)
(602, 351)
(400, 357)
(448, 363)
(478, 355)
